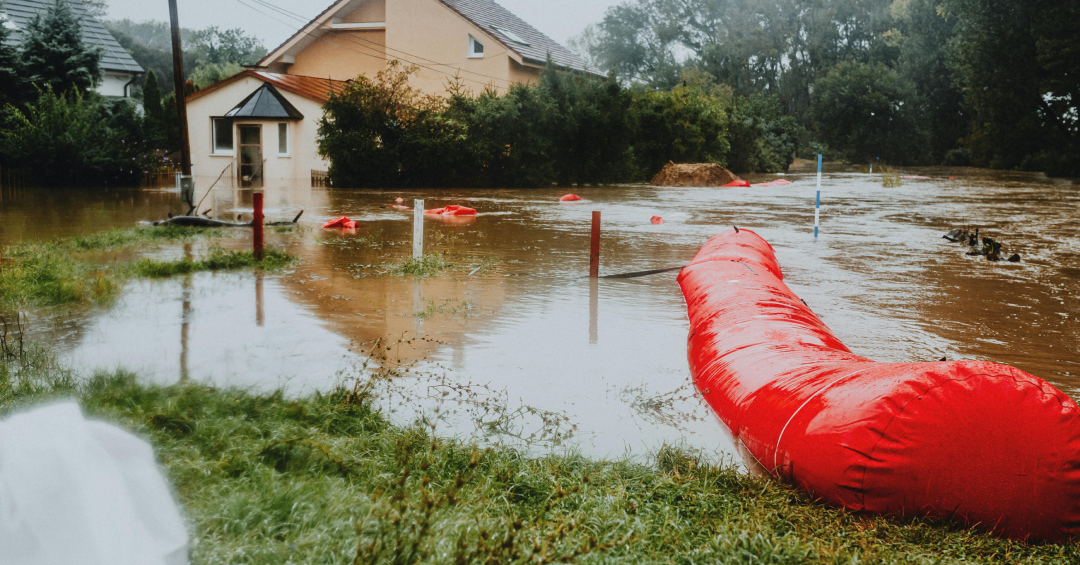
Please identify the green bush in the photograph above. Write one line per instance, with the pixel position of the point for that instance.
(566, 129)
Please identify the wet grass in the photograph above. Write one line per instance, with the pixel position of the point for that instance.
(890, 178)
(452, 307)
(218, 260)
(269, 479)
(59, 272)
(428, 265)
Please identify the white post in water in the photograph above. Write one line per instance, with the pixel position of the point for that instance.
(871, 167)
(819, 170)
(817, 213)
(418, 229)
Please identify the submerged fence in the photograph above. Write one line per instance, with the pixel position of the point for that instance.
(160, 179)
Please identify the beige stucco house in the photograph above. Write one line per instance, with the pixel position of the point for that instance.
(271, 113)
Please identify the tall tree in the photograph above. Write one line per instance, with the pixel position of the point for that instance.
(53, 52)
(155, 126)
(12, 87)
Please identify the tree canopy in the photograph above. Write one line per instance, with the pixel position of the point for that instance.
(53, 54)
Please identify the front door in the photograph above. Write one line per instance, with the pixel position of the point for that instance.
(251, 159)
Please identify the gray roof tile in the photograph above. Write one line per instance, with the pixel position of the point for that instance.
(114, 57)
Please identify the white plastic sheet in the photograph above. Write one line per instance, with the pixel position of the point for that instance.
(79, 492)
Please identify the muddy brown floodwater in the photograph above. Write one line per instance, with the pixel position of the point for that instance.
(527, 350)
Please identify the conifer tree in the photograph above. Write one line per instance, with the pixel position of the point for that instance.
(155, 113)
(53, 52)
(12, 86)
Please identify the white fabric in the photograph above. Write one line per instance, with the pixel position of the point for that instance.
(78, 492)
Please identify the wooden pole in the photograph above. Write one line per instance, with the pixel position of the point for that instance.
(257, 224)
(178, 82)
(594, 248)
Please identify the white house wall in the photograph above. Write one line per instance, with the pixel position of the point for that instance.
(114, 84)
(206, 166)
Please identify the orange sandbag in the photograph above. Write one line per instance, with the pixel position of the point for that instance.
(738, 183)
(570, 198)
(342, 222)
(452, 210)
(975, 441)
(657, 220)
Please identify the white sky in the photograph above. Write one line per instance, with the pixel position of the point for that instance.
(558, 19)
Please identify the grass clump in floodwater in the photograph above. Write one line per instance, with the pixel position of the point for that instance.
(218, 260)
(427, 265)
(448, 306)
(59, 272)
(325, 478)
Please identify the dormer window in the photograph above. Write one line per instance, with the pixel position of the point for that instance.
(476, 49)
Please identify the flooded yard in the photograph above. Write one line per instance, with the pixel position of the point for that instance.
(514, 344)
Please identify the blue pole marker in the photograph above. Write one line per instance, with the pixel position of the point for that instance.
(817, 213)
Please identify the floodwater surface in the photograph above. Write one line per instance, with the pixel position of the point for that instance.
(513, 343)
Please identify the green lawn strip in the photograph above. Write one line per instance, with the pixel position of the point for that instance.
(268, 479)
(57, 273)
(434, 264)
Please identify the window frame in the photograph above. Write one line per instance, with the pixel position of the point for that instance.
(214, 150)
(472, 53)
(285, 138)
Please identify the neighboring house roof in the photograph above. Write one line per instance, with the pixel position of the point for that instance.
(114, 57)
(312, 88)
(265, 103)
(486, 15)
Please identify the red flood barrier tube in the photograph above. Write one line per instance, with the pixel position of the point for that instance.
(979, 442)
(737, 184)
(452, 210)
(570, 198)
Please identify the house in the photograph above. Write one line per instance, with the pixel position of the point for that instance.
(270, 113)
(119, 70)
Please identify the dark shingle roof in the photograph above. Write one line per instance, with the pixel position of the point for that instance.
(490, 16)
(266, 103)
(114, 57)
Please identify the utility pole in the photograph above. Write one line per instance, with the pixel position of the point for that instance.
(187, 183)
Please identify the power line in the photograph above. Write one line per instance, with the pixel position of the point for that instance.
(375, 55)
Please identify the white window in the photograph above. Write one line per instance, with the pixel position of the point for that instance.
(283, 139)
(223, 136)
(476, 49)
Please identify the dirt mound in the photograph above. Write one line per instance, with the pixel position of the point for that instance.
(693, 174)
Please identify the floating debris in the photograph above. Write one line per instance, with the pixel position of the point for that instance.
(990, 248)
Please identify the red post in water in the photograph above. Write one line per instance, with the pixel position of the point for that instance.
(594, 249)
(257, 224)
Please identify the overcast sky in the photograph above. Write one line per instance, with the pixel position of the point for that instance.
(558, 19)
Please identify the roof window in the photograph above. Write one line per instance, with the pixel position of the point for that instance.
(510, 35)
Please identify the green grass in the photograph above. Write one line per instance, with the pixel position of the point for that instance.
(428, 265)
(268, 479)
(448, 306)
(218, 260)
(61, 272)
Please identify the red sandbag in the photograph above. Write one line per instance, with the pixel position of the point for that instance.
(570, 198)
(738, 183)
(452, 210)
(980, 442)
(777, 182)
(342, 222)
(657, 220)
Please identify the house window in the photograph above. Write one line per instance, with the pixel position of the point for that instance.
(283, 139)
(223, 136)
(476, 49)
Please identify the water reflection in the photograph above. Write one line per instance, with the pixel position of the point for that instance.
(513, 338)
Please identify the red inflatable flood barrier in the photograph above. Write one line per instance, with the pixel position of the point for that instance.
(570, 198)
(737, 184)
(452, 210)
(342, 222)
(980, 442)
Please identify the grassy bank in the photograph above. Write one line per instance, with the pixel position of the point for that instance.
(66, 271)
(326, 479)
